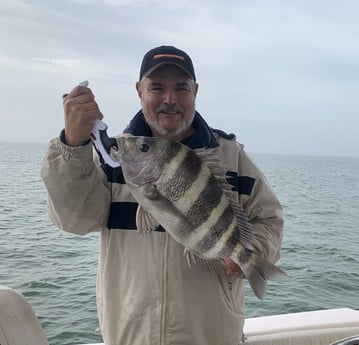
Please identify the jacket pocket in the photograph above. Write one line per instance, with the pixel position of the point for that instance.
(226, 284)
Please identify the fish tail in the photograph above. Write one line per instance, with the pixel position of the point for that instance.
(258, 271)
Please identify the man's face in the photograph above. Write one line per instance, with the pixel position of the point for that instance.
(168, 101)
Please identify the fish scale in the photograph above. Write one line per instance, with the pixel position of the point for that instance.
(208, 200)
(197, 234)
(175, 188)
(216, 239)
(185, 179)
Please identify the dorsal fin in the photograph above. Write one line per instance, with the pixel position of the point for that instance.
(244, 225)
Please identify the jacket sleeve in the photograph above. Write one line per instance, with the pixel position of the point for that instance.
(78, 196)
(264, 211)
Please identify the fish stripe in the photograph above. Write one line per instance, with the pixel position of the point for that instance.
(241, 255)
(188, 204)
(172, 150)
(220, 248)
(179, 174)
(187, 182)
(209, 197)
(217, 236)
(196, 235)
(232, 241)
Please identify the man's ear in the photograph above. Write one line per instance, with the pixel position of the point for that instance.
(195, 89)
(139, 88)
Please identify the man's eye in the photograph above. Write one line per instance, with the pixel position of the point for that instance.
(182, 89)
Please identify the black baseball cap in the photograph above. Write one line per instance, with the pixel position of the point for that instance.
(166, 55)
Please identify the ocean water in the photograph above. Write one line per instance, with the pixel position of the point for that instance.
(56, 270)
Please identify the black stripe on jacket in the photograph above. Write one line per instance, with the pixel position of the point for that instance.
(123, 216)
(241, 184)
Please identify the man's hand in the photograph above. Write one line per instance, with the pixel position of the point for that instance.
(80, 110)
(232, 268)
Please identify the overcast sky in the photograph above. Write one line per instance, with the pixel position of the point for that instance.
(283, 75)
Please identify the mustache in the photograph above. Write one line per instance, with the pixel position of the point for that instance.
(169, 109)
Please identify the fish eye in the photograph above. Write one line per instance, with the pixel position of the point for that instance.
(144, 147)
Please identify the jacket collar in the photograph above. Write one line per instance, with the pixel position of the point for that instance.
(202, 137)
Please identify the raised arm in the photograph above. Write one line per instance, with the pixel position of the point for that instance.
(79, 198)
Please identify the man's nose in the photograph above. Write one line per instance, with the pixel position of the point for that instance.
(170, 97)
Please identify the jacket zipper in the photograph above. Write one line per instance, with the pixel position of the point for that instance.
(164, 290)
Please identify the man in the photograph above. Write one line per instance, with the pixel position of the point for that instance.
(146, 292)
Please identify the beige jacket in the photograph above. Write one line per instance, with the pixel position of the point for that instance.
(146, 292)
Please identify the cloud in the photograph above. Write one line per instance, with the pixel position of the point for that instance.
(64, 63)
(269, 66)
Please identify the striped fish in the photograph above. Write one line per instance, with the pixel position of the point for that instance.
(175, 188)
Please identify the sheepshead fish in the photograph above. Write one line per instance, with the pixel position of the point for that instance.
(175, 188)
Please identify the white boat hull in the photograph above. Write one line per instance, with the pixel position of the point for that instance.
(19, 325)
(321, 327)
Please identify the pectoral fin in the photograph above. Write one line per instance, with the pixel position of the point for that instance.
(144, 221)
